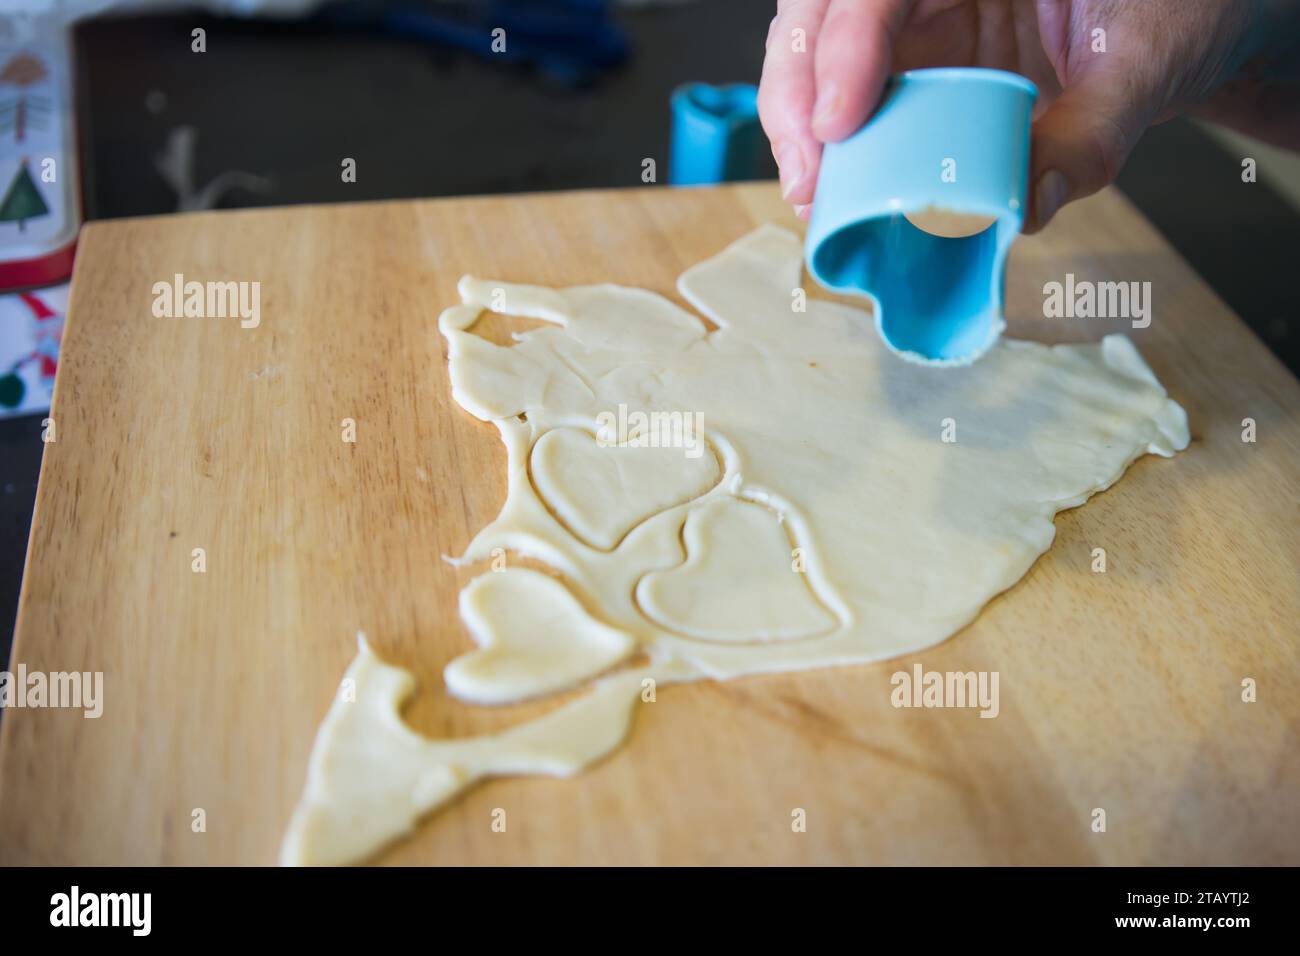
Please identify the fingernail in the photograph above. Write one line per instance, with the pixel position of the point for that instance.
(828, 101)
(804, 211)
(1049, 195)
(790, 161)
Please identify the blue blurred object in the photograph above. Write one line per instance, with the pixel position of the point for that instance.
(716, 135)
(572, 40)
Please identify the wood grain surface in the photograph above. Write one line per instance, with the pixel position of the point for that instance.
(1119, 691)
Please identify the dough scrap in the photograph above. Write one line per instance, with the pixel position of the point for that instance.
(908, 496)
(371, 778)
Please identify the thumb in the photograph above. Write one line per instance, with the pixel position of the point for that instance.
(1080, 143)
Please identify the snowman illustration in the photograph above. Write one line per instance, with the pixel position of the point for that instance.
(46, 329)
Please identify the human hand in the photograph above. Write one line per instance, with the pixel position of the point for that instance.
(1105, 69)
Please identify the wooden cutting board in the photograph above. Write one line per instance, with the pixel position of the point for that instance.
(1120, 691)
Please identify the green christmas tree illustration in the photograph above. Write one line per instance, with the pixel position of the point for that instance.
(22, 201)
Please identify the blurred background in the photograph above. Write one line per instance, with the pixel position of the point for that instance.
(413, 92)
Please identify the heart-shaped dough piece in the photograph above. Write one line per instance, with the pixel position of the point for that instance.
(601, 492)
(534, 638)
(738, 582)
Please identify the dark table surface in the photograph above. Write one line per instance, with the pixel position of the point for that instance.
(289, 101)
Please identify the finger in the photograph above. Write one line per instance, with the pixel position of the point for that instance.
(1081, 142)
(786, 92)
(853, 58)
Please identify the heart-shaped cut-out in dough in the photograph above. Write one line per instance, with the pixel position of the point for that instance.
(738, 583)
(601, 492)
(534, 638)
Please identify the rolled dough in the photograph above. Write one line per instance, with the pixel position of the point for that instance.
(851, 507)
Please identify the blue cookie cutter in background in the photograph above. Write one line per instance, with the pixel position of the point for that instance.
(937, 300)
(716, 136)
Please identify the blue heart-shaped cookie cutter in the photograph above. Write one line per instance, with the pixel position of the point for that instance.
(953, 139)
